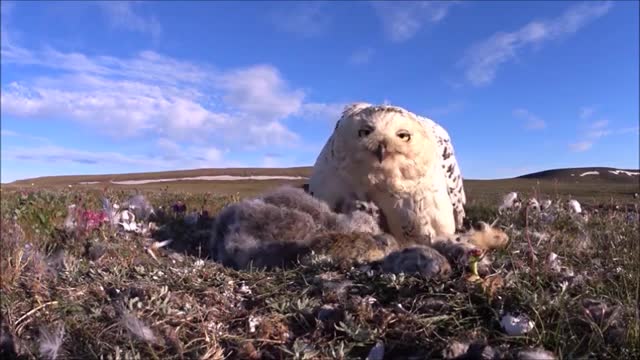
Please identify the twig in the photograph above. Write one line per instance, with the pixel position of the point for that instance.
(31, 312)
(35, 309)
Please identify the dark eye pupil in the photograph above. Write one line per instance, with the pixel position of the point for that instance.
(362, 133)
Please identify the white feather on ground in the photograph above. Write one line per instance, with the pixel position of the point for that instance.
(137, 328)
(575, 206)
(50, 341)
(509, 201)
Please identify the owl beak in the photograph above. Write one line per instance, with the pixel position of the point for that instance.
(381, 152)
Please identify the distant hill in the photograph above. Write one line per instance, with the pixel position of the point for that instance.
(167, 175)
(568, 175)
(587, 175)
(591, 185)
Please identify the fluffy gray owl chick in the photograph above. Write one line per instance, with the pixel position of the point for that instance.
(354, 214)
(419, 259)
(278, 227)
(295, 198)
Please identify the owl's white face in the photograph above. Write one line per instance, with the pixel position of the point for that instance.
(385, 140)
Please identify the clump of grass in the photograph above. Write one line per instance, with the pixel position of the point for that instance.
(112, 298)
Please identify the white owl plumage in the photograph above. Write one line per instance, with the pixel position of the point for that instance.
(402, 162)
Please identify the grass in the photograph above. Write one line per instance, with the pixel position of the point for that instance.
(107, 294)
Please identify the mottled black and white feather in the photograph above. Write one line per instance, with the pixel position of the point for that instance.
(451, 168)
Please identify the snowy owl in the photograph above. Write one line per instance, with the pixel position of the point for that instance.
(402, 162)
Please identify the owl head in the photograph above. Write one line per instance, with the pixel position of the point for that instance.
(384, 139)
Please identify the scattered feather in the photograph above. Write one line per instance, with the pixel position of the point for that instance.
(137, 328)
(140, 207)
(455, 349)
(575, 206)
(516, 325)
(509, 202)
(50, 341)
(161, 244)
(536, 354)
(70, 220)
(254, 321)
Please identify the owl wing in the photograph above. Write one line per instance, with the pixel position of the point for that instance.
(451, 170)
(325, 182)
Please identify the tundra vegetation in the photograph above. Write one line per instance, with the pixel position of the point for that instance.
(567, 285)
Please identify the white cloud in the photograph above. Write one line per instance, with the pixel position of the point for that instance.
(153, 94)
(483, 59)
(401, 20)
(120, 108)
(181, 157)
(450, 108)
(54, 153)
(4, 132)
(279, 161)
(586, 112)
(260, 90)
(15, 134)
(271, 162)
(361, 56)
(144, 66)
(271, 133)
(598, 130)
(322, 112)
(581, 146)
(630, 130)
(303, 18)
(121, 14)
(599, 124)
(595, 134)
(532, 122)
(168, 148)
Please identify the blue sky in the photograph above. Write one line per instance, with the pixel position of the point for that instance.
(109, 87)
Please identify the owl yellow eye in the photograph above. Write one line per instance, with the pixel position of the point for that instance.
(364, 132)
(404, 135)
